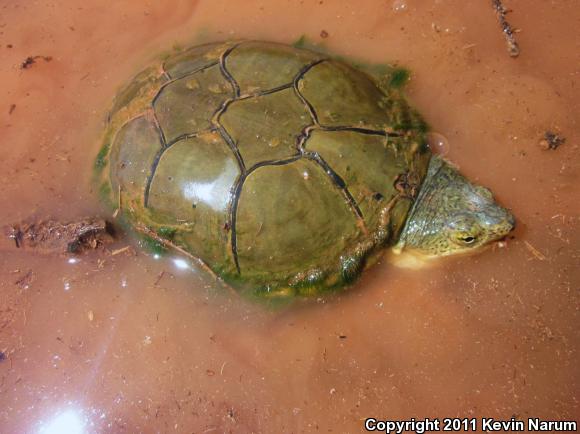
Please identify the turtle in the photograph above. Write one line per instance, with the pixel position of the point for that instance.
(286, 171)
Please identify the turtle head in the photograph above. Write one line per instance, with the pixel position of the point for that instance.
(451, 215)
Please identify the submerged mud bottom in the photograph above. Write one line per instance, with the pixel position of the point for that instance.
(141, 343)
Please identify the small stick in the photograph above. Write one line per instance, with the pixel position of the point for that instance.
(508, 31)
(159, 277)
(121, 250)
(539, 255)
(145, 230)
(118, 203)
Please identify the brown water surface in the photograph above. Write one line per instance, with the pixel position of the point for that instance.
(128, 343)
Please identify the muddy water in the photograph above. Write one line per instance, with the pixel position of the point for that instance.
(127, 343)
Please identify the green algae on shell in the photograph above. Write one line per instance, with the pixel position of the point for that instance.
(275, 166)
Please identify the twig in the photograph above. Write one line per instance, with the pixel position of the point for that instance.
(145, 230)
(539, 255)
(506, 28)
(118, 203)
(121, 250)
(159, 277)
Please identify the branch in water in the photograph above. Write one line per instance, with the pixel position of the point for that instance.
(506, 28)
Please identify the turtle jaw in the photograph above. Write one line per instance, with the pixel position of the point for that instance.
(417, 250)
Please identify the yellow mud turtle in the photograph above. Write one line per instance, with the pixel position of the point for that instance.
(284, 170)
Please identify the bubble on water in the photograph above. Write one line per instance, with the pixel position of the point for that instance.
(399, 5)
(438, 143)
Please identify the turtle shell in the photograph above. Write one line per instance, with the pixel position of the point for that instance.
(282, 169)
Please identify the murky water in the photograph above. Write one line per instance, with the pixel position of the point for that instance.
(127, 343)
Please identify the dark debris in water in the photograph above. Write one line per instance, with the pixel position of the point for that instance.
(507, 29)
(51, 236)
(25, 281)
(31, 60)
(552, 140)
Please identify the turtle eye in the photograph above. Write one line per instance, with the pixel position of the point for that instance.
(465, 231)
(466, 239)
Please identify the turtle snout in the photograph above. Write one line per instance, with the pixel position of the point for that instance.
(498, 221)
(506, 224)
(511, 220)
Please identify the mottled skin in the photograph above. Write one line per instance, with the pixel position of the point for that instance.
(451, 215)
(282, 169)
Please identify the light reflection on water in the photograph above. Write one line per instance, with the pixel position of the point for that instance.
(72, 419)
(69, 421)
(181, 264)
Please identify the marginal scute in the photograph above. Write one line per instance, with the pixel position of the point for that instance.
(191, 189)
(136, 97)
(342, 96)
(133, 152)
(259, 66)
(186, 105)
(194, 59)
(266, 127)
(350, 267)
(291, 218)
